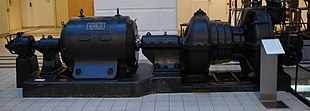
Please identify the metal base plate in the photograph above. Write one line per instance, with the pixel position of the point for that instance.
(143, 83)
(137, 86)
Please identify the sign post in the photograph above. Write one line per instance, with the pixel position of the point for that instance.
(270, 50)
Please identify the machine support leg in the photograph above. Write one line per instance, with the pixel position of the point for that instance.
(235, 77)
(25, 66)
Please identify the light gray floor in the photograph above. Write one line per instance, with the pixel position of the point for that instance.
(11, 99)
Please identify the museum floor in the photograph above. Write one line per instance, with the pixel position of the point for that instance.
(11, 97)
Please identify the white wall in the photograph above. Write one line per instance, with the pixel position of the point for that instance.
(4, 28)
(218, 10)
(28, 13)
(156, 16)
(62, 11)
(41, 13)
(215, 9)
(46, 12)
(14, 14)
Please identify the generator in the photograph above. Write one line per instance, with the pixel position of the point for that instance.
(98, 57)
(103, 48)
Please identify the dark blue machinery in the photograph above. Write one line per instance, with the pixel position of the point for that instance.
(100, 56)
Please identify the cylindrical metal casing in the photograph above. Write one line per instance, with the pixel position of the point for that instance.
(208, 42)
(24, 45)
(109, 40)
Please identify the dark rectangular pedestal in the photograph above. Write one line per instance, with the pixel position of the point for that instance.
(144, 82)
(139, 85)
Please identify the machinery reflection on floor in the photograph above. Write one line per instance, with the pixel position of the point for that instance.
(100, 55)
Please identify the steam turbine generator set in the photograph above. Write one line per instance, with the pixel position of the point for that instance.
(100, 57)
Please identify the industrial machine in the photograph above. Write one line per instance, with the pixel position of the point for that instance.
(100, 55)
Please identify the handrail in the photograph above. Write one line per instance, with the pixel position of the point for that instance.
(297, 73)
(303, 68)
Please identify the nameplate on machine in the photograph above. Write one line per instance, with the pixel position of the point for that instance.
(95, 26)
(273, 46)
(39, 80)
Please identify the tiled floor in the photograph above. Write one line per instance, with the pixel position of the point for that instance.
(11, 99)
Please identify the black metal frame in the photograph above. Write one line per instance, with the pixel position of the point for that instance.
(302, 99)
(294, 92)
(144, 82)
(301, 22)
